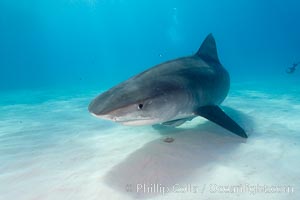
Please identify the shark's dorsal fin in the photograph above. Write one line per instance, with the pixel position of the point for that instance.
(208, 50)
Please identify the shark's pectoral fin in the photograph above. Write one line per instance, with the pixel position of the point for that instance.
(177, 122)
(218, 116)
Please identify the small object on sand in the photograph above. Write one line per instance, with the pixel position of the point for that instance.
(169, 140)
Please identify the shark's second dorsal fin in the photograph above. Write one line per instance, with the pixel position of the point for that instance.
(208, 50)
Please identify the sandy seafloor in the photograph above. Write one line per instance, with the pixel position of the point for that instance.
(51, 148)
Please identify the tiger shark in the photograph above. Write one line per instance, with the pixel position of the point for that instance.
(171, 93)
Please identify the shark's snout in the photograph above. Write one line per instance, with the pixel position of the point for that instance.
(107, 102)
(104, 107)
(97, 108)
(99, 112)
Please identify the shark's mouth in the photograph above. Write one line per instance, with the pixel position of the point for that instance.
(138, 122)
(128, 122)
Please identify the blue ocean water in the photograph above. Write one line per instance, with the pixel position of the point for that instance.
(56, 55)
(101, 42)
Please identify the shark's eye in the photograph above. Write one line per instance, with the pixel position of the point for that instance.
(140, 106)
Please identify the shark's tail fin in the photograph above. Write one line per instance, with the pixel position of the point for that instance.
(208, 50)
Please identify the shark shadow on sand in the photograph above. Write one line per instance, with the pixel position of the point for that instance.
(165, 164)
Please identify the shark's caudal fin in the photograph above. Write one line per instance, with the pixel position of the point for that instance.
(208, 50)
(216, 115)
